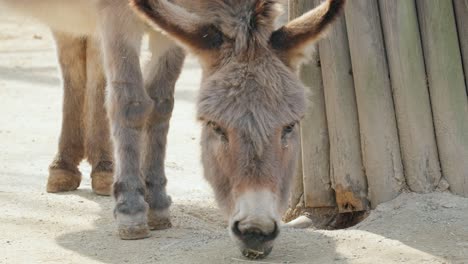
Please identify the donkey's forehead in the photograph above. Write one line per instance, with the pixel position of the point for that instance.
(256, 96)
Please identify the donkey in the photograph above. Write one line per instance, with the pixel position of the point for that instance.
(84, 134)
(93, 35)
(250, 102)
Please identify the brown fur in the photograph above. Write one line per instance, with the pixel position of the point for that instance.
(98, 145)
(63, 172)
(85, 130)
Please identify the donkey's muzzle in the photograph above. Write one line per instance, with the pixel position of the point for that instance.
(255, 243)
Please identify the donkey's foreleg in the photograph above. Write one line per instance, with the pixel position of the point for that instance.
(97, 137)
(63, 172)
(161, 75)
(128, 106)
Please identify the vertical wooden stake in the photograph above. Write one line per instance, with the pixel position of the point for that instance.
(461, 11)
(410, 93)
(447, 89)
(297, 188)
(346, 170)
(318, 191)
(314, 132)
(379, 136)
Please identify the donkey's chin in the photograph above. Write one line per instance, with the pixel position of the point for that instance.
(260, 253)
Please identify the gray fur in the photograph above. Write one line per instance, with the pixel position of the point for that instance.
(249, 102)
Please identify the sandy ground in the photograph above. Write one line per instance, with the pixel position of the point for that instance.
(77, 227)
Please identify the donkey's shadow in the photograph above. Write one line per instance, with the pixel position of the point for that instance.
(199, 235)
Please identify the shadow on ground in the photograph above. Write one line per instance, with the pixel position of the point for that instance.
(199, 235)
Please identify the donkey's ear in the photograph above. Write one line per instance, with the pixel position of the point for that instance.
(185, 27)
(291, 39)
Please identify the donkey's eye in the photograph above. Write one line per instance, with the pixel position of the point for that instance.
(288, 129)
(217, 129)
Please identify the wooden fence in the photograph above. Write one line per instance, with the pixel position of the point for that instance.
(389, 105)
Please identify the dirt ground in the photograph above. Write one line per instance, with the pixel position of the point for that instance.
(77, 227)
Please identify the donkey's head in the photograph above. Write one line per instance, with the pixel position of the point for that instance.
(250, 102)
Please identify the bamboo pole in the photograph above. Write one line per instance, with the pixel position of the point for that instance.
(411, 97)
(447, 89)
(346, 170)
(461, 11)
(314, 132)
(379, 136)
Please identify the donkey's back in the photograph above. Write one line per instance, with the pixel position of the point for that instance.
(79, 17)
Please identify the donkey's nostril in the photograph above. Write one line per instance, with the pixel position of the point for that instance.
(235, 229)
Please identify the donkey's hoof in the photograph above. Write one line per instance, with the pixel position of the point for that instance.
(102, 177)
(61, 180)
(101, 182)
(160, 225)
(159, 219)
(134, 232)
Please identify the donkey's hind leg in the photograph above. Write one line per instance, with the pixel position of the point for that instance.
(98, 144)
(63, 172)
(161, 75)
